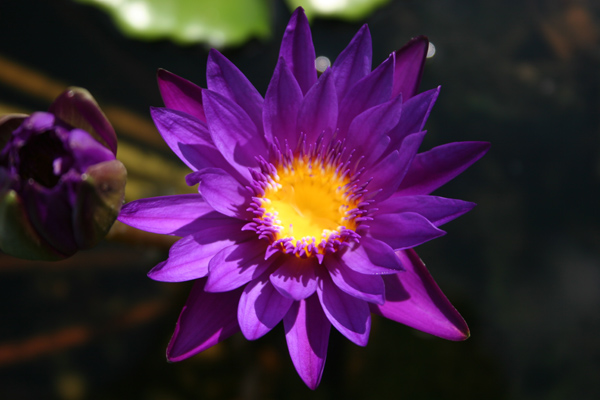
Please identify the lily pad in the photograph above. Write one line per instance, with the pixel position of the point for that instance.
(218, 23)
(350, 10)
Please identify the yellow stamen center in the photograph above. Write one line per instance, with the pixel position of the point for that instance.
(308, 200)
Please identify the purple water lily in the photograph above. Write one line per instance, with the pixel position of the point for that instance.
(61, 187)
(310, 201)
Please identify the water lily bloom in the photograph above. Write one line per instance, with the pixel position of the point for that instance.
(310, 201)
(61, 187)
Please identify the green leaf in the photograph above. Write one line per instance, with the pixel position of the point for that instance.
(218, 23)
(350, 10)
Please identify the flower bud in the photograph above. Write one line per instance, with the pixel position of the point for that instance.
(61, 187)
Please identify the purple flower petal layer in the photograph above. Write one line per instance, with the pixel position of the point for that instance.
(282, 103)
(319, 110)
(438, 210)
(233, 132)
(190, 140)
(170, 215)
(226, 79)
(180, 94)
(410, 60)
(189, 258)
(415, 112)
(298, 51)
(372, 256)
(307, 335)
(261, 308)
(389, 172)
(296, 278)
(368, 131)
(225, 194)
(354, 62)
(237, 265)
(414, 299)
(403, 231)
(349, 315)
(362, 286)
(206, 319)
(373, 89)
(433, 168)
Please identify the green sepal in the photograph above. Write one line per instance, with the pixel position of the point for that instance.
(99, 200)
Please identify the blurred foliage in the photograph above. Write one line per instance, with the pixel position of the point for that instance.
(350, 10)
(217, 23)
(220, 23)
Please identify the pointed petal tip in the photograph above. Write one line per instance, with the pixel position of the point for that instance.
(161, 72)
(163, 75)
(417, 40)
(79, 108)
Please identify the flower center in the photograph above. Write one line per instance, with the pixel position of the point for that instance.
(308, 205)
(44, 159)
(308, 202)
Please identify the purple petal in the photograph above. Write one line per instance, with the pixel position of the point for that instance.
(189, 258)
(226, 79)
(438, 210)
(371, 257)
(368, 131)
(372, 90)
(318, 112)
(86, 150)
(298, 51)
(415, 112)
(387, 175)
(261, 308)
(224, 193)
(296, 278)
(433, 168)
(414, 299)
(307, 335)
(180, 94)
(403, 231)
(410, 60)
(49, 211)
(236, 265)
(170, 215)
(233, 133)
(282, 103)
(354, 62)
(190, 140)
(364, 287)
(77, 107)
(349, 315)
(206, 319)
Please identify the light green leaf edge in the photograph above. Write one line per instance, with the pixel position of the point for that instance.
(349, 10)
(218, 23)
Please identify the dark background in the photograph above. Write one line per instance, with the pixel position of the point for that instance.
(522, 267)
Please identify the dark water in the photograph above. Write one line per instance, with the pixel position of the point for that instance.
(523, 267)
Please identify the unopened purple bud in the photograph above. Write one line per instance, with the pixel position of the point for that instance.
(61, 187)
